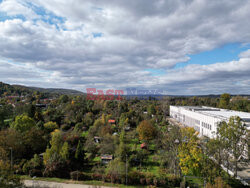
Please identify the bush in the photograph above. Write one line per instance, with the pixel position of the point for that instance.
(26, 167)
(19, 167)
(65, 127)
(142, 181)
(134, 177)
(174, 181)
(50, 126)
(76, 175)
(107, 178)
(79, 126)
(97, 177)
(155, 181)
(35, 172)
(149, 178)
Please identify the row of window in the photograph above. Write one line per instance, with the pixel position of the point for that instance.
(206, 125)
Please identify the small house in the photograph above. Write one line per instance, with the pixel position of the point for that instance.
(41, 105)
(127, 128)
(97, 139)
(144, 146)
(112, 121)
(106, 158)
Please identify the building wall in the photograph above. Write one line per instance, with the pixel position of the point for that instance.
(205, 125)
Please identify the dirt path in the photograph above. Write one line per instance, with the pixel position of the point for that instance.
(45, 184)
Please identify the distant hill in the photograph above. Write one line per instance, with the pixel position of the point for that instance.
(24, 90)
(57, 91)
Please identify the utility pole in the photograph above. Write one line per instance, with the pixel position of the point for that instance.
(11, 157)
(126, 170)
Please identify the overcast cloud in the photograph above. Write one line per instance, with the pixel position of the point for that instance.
(109, 44)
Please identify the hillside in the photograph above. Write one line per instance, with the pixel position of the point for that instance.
(8, 89)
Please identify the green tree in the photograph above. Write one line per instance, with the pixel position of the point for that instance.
(56, 145)
(23, 123)
(215, 149)
(234, 134)
(65, 151)
(55, 158)
(88, 120)
(116, 169)
(79, 154)
(224, 100)
(151, 110)
(64, 99)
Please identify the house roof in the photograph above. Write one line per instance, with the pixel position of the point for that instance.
(109, 157)
(111, 121)
(143, 145)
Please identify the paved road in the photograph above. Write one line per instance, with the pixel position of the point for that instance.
(45, 184)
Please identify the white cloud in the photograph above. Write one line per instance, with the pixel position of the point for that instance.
(15, 7)
(136, 36)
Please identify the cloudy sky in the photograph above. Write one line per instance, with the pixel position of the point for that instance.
(180, 46)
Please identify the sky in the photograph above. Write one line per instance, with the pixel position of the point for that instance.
(191, 47)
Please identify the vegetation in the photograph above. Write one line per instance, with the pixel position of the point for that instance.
(115, 141)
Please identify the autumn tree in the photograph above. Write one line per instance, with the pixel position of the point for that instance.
(50, 126)
(146, 131)
(189, 153)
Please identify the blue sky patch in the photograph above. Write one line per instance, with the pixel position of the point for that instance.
(225, 53)
(4, 16)
(46, 16)
(156, 72)
(95, 35)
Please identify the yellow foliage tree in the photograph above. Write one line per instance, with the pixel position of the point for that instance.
(190, 155)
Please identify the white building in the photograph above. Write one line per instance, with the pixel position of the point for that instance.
(205, 119)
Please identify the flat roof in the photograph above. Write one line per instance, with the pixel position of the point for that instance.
(218, 112)
(228, 114)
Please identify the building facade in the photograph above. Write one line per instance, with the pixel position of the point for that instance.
(205, 119)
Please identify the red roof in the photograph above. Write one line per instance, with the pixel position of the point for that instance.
(111, 121)
(143, 145)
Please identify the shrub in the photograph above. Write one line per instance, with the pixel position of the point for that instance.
(142, 181)
(134, 177)
(35, 172)
(65, 127)
(27, 167)
(162, 182)
(76, 175)
(155, 181)
(50, 126)
(174, 181)
(149, 178)
(107, 178)
(96, 176)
